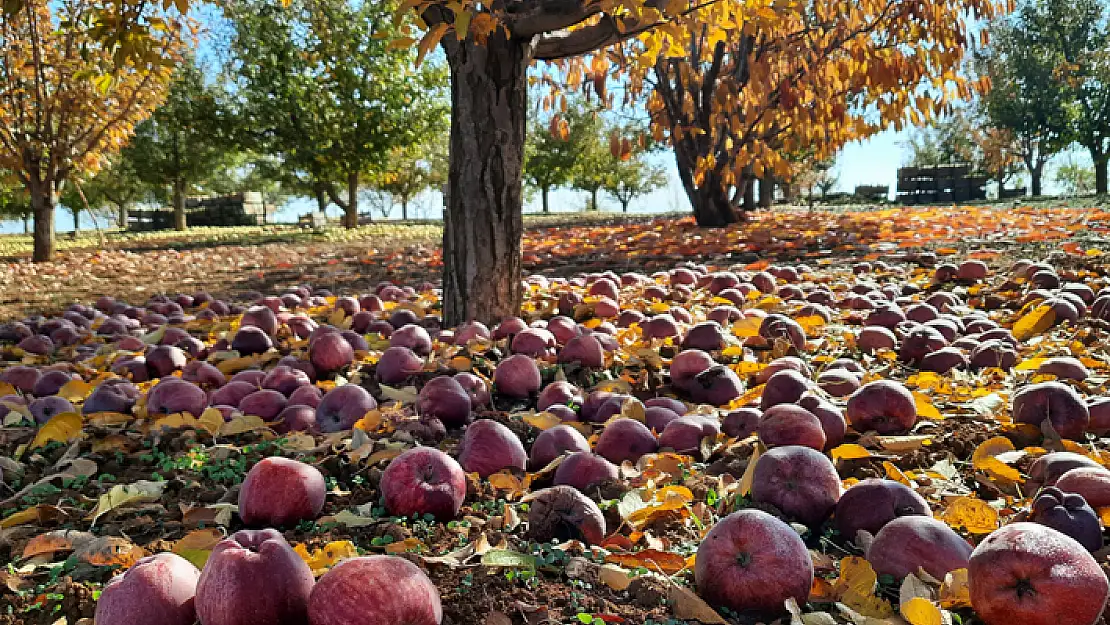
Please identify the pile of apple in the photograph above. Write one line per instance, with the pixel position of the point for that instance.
(696, 322)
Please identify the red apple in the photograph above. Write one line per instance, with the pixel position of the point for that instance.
(330, 352)
(785, 387)
(1056, 402)
(279, 491)
(561, 513)
(884, 406)
(424, 480)
(445, 399)
(752, 562)
(801, 482)
(375, 590)
(1047, 469)
(413, 337)
(788, 424)
(556, 441)
(1091, 482)
(173, 395)
(158, 589)
(625, 439)
(488, 447)
(874, 502)
(583, 470)
(517, 376)
(910, 542)
(1030, 574)
(254, 578)
(264, 403)
(342, 407)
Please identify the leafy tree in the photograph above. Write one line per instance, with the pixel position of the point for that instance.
(1026, 99)
(69, 97)
(630, 175)
(1077, 35)
(184, 142)
(966, 136)
(321, 86)
(594, 164)
(14, 203)
(550, 158)
(1075, 178)
(413, 169)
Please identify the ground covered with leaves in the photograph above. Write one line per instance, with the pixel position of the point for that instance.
(88, 490)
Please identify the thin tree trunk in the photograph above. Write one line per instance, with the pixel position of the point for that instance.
(766, 192)
(593, 200)
(76, 222)
(1101, 162)
(1035, 178)
(350, 212)
(26, 224)
(43, 202)
(483, 222)
(543, 194)
(404, 208)
(321, 199)
(179, 204)
(122, 216)
(624, 205)
(749, 194)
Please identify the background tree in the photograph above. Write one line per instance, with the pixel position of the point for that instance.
(1077, 35)
(630, 175)
(413, 169)
(322, 86)
(186, 140)
(14, 203)
(1075, 178)
(69, 97)
(1026, 98)
(118, 183)
(550, 157)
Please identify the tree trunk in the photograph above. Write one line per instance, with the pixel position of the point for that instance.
(593, 200)
(179, 204)
(122, 216)
(624, 205)
(1035, 178)
(1101, 162)
(404, 208)
(713, 208)
(543, 194)
(350, 211)
(483, 222)
(321, 199)
(76, 222)
(26, 224)
(766, 192)
(43, 201)
(749, 194)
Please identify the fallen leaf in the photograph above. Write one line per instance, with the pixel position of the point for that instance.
(925, 407)
(42, 513)
(1034, 322)
(124, 494)
(974, 515)
(614, 577)
(652, 559)
(320, 560)
(687, 606)
(986, 459)
(197, 545)
(920, 611)
(955, 592)
(849, 451)
(62, 427)
(110, 551)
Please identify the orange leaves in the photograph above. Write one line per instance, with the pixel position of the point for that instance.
(1035, 322)
(974, 515)
(986, 459)
(652, 559)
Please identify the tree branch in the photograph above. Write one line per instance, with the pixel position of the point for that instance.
(536, 17)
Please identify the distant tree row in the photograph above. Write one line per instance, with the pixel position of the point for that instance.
(579, 149)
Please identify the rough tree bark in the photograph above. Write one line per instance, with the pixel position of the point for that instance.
(179, 222)
(350, 211)
(122, 215)
(44, 199)
(766, 192)
(483, 222)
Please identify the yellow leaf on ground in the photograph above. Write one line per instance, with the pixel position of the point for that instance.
(974, 515)
(1034, 322)
(197, 545)
(242, 424)
(688, 606)
(651, 559)
(920, 611)
(75, 390)
(747, 327)
(984, 459)
(41, 513)
(1030, 364)
(925, 407)
(894, 473)
(857, 574)
(62, 427)
(955, 591)
(542, 420)
(849, 451)
(409, 544)
(319, 560)
(749, 472)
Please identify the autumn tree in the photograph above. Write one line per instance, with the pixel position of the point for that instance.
(71, 95)
(811, 75)
(550, 157)
(629, 173)
(14, 203)
(322, 85)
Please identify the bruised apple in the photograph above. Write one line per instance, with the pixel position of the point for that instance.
(375, 590)
(562, 513)
(1068, 513)
(424, 480)
(1030, 574)
(752, 562)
